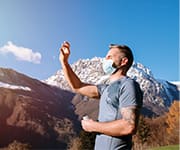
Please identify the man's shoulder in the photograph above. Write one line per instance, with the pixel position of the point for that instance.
(128, 80)
(130, 83)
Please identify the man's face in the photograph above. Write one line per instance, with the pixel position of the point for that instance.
(115, 54)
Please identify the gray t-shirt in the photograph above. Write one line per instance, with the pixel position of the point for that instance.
(114, 96)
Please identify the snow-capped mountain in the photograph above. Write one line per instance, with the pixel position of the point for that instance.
(158, 94)
(177, 83)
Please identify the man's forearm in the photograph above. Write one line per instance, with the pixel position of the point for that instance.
(113, 128)
(76, 84)
(126, 125)
(70, 76)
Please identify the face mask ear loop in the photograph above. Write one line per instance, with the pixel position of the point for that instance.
(117, 67)
(120, 62)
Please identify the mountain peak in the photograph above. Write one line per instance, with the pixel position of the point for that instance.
(156, 93)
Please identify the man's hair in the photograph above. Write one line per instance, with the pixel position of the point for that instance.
(127, 53)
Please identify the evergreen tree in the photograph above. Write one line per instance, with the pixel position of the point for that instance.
(87, 140)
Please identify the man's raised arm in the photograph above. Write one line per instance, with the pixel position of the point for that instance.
(72, 79)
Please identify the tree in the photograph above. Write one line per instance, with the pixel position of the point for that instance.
(87, 140)
(172, 121)
(15, 145)
(143, 131)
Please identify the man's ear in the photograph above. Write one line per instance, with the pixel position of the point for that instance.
(124, 61)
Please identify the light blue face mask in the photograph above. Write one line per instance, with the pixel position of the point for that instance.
(107, 66)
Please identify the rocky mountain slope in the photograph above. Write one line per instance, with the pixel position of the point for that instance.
(34, 112)
(158, 94)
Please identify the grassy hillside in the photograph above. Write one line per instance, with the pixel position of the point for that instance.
(170, 147)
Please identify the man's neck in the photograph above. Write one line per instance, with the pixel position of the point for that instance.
(116, 76)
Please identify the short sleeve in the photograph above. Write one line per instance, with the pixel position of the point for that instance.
(130, 94)
(101, 88)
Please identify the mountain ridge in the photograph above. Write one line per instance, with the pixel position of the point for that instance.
(41, 116)
(156, 92)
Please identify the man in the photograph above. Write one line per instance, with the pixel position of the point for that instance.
(120, 99)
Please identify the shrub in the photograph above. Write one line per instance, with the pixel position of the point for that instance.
(15, 145)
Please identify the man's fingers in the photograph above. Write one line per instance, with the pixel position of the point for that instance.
(61, 50)
(66, 44)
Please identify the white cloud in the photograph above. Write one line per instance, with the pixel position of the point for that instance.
(21, 53)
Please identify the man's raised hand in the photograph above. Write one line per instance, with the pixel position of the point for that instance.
(64, 52)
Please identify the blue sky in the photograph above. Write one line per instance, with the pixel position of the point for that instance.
(31, 32)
